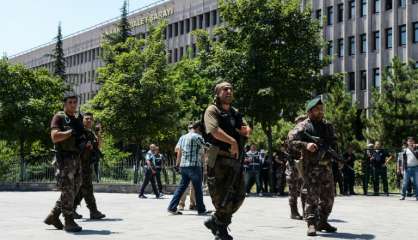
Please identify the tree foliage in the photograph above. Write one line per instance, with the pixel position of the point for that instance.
(394, 112)
(137, 100)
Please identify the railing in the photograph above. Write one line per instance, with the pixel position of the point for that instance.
(40, 169)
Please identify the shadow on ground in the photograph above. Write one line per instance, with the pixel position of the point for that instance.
(342, 235)
(103, 220)
(94, 232)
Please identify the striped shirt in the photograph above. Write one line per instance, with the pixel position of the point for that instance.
(191, 146)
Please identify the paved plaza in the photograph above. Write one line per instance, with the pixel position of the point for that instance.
(356, 217)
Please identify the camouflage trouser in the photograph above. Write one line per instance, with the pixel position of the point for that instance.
(294, 182)
(319, 183)
(86, 189)
(218, 178)
(278, 176)
(68, 181)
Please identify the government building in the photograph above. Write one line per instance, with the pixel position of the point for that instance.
(363, 36)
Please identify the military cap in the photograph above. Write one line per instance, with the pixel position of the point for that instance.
(313, 102)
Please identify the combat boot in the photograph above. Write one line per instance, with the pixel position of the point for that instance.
(70, 225)
(311, 228)
(325, 226)
(223, 233)
(76, 215)
(96, 214)
(210, 224)
(53, 218)
(294, 214)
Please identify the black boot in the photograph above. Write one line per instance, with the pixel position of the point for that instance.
(53, 218)
(76, 215)
(294, 214)
(96, 214)
(223, 233)
(325, 226)
(210, 224)
(70, 225)
(311, 228)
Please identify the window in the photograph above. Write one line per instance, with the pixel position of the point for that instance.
(181, 52)
(376, 77)
(330, 49)
(389, 42)
(318, 16)
(340, 47)
(176, 55)
(340, 12)
(194, 23)
(363, 43)
(214, 17)
(415, 32)
(176, 29)
(351, 81)
(207, 19)
(200, 21)
(170, 31)
(376, 40)
(352, 46)
(402, 3)
(363, 8)
(187, 25)
(402, 35)
(181, 27)
(351, 9)
(170, 56)
(330, 15)
(363, 80)
(376, 6)
(388, 4)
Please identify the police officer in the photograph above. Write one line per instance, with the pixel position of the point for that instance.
(88, 157)
(225, 127)
(150, 173)
(253, 170)
(317, 172)
(67, 136)
(158, 163)
(295, 181)
(366, 168)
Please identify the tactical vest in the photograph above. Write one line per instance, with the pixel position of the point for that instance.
(70, 144)
(158, 160)
(255, 161)
(229, 121)
(322, 130)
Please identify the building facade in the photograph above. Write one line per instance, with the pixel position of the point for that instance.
(363, 36)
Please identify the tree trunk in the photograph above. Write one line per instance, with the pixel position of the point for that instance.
(22, 159)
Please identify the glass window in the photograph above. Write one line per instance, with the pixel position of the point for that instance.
(352, 46)
(415, 32)
(363, 8)
(402, 3)
(330, 49)
(181, 27)
(388, 4)
(176, 29)
(200, 21)
(376, 78)
(340, 47)
(214, 17)
(330, 15)
(351, 9)
(376, 40)
(187, 22)
(389, 41)
(363, 43)
(170, 31)
(194, 23)
(402, 35)
(363, 80)
(351, 81)
(207, 19)
(340, 12)
(376, 6)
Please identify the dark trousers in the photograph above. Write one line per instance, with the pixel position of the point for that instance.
(86, 189)
(158, 178)
(366, 179)
(380, 173)
(149, 178)
(349, 176)
(338, 179)
(194, 175)
(265, 179)
(251, 177)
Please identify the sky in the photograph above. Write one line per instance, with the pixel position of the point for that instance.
(25, 24)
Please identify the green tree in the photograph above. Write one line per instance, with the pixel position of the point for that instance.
(270, 51)
(123, 27)
(137, 101)
(394, 112)
(341, 112)
(28, 99)
(59, 60)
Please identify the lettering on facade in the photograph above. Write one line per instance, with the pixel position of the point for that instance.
(144, 20)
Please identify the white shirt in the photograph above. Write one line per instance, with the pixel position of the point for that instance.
(411, 159)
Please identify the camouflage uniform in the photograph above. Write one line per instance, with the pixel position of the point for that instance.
(68, 164)
(318, 178)
(219, 176)
(86, 189)
(295, 183)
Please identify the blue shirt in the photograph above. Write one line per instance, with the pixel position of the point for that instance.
(191, 145)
